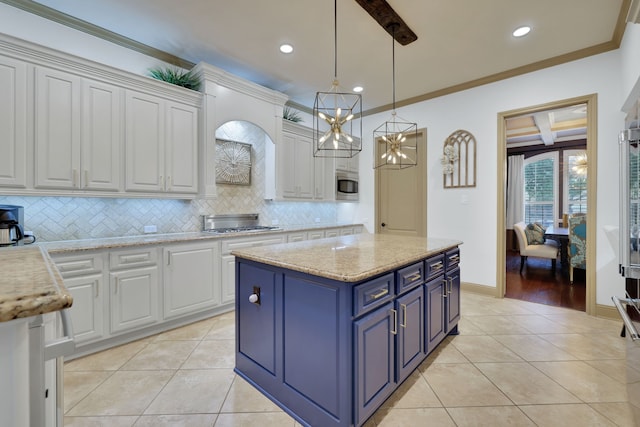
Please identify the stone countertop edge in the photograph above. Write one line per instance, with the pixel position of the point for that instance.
(30, 284)
(352, 259)
(66, 246)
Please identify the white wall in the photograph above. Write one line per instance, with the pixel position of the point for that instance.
(30, 27)
(470, 214)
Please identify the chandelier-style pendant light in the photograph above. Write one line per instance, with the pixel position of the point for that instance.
(337, 123)
(396, 140)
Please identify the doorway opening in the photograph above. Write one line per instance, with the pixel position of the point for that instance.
(546, 146)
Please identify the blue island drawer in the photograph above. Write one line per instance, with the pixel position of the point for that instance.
(453, 258)
(410, 276)
(372, 294)
(434, 266)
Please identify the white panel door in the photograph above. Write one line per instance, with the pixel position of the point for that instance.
(286, 167)
(190, 278)
(304, 167)
(181, 161)
(144, 142)
(13, 122)
(134, 298)
(86, 311)
(57, 132)
(228, 278)
(101, 136)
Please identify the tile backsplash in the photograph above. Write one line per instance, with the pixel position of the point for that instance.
(70, 218)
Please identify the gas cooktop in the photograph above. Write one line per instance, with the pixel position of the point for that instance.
(224, 224)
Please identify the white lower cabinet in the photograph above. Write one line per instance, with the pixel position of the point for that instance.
(84, 278)
(133, 298)
(86, 312)
(191, 278)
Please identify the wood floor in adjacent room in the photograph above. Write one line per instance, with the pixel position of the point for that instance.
(538, 283)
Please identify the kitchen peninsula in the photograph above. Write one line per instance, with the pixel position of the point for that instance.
(328, 329)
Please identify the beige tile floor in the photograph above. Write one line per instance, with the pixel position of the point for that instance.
(514, 364)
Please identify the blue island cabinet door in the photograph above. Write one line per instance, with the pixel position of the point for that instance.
(256, 322)
(411, 350)
(453, 298)
(374, 360)
(435, 312)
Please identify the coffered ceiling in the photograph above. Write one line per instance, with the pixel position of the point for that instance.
(461, 43)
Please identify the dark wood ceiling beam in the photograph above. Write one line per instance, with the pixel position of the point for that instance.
(384, 14)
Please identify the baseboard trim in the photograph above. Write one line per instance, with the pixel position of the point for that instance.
(478, 289)
(607, 312)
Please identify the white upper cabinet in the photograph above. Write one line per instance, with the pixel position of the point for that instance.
(57, 129)
(13, 122)
(181, 160)
(101, 136)
(78, 138)
(300, 175)
(295, 158)
(161, 144)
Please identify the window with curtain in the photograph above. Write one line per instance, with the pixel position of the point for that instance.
(575, 181)
(540, 184)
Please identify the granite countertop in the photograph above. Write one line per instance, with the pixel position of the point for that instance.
(30, 284)
(63, 246)
(348, 258)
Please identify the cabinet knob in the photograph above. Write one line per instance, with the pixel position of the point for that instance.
(253, 298)
(383, 224)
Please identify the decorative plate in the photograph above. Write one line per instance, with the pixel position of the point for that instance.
(233, 162)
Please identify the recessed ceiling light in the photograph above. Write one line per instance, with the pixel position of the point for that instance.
(521, 31)
(358, 89)
(286, 48)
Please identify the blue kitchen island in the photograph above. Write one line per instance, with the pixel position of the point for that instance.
(329, 328)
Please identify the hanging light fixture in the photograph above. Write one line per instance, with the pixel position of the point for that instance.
(396, 140)
(337, 125)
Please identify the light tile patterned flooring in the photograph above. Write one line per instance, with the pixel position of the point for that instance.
(514, 364)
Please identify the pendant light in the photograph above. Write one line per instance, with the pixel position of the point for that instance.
(396, 140)
(337, 124)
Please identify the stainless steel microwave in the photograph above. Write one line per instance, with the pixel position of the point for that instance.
(347, 186)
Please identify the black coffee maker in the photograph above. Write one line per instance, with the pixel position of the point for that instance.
(12, 226)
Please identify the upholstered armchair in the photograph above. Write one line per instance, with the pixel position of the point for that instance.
(577, 243)
(548, 249)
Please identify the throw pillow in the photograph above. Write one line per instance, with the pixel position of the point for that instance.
(535, 234)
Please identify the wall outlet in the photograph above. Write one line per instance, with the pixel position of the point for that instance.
(150, 229)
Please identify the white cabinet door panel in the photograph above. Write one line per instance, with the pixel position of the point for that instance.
(134, 298)
(144, 143)
(190, 278)
(101, 136)
(57, 132)
(86, 312)
(182, 149)
(13, 122)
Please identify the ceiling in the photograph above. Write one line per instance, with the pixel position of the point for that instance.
(547, 127)
(461, 43)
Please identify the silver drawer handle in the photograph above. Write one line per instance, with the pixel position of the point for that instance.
(454, 258)
(437, 266)
(414, 276)
(380, 294)
(129, 260)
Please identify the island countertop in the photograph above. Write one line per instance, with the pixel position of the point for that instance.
(348, 258)
(30, 284)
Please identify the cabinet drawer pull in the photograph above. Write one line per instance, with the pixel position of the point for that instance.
(394, 331)
(445, 291)
(437, 266)
(404, 315)
(454, 258)
(380, 294)
(450, 285)
(414, 276)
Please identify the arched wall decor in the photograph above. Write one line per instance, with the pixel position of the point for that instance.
(459, 160)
